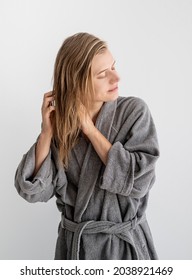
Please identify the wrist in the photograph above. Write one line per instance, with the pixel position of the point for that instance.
(91, 132)
(46, 135)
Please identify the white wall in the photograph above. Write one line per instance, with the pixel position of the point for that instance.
(152, 42)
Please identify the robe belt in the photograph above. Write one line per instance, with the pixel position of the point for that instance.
(92, 227)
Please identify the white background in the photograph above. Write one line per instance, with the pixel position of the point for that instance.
(151, 41)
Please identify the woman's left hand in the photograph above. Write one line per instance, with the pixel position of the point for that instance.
(99, 142)
(87, 124)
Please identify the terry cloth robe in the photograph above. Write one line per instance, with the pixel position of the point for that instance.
(102, 207)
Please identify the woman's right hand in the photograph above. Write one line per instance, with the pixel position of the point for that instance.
(46, 110)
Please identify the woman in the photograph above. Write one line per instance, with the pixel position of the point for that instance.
(96, 153)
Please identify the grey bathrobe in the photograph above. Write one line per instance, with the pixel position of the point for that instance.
(102, 207)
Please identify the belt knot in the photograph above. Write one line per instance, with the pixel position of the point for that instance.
(92, 227)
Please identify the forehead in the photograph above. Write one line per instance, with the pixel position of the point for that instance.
(102, 61)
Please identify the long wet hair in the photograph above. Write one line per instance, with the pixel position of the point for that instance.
(72, 85)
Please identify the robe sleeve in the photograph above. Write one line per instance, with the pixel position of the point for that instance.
(49, 179)
(130, 169)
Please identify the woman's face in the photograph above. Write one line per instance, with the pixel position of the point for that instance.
(105, 77)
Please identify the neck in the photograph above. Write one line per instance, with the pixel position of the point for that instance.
(94, 111)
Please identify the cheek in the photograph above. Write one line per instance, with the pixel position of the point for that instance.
(100, 87)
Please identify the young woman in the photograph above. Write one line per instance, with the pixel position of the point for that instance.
(96, 153)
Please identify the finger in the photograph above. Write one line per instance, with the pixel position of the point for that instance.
(51, 108)
(49, 98)
(47, 94)
(46, 113)
(47, 101)
(47, 109)
(52, 103)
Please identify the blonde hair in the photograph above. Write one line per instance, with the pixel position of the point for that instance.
(72, 86)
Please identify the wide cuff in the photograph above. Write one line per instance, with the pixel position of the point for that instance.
(117, 177)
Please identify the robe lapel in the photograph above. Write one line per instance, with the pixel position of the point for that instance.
(92, 163)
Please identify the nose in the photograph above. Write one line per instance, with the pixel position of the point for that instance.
(114, 77)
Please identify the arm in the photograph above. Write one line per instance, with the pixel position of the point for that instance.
(39, 172)
(99, 142)
(130, 169)
(44, 140)
(130, 163)
(37, 187)
(41, 151)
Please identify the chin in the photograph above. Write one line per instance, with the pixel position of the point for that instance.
(112, 97)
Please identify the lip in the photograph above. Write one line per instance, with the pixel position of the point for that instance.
(113, 89)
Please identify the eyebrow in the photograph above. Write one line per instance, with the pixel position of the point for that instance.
(105, 69)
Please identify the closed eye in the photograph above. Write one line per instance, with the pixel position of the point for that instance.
(103, 73)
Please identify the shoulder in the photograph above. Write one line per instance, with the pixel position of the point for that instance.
(131, 105)
(131, 101)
